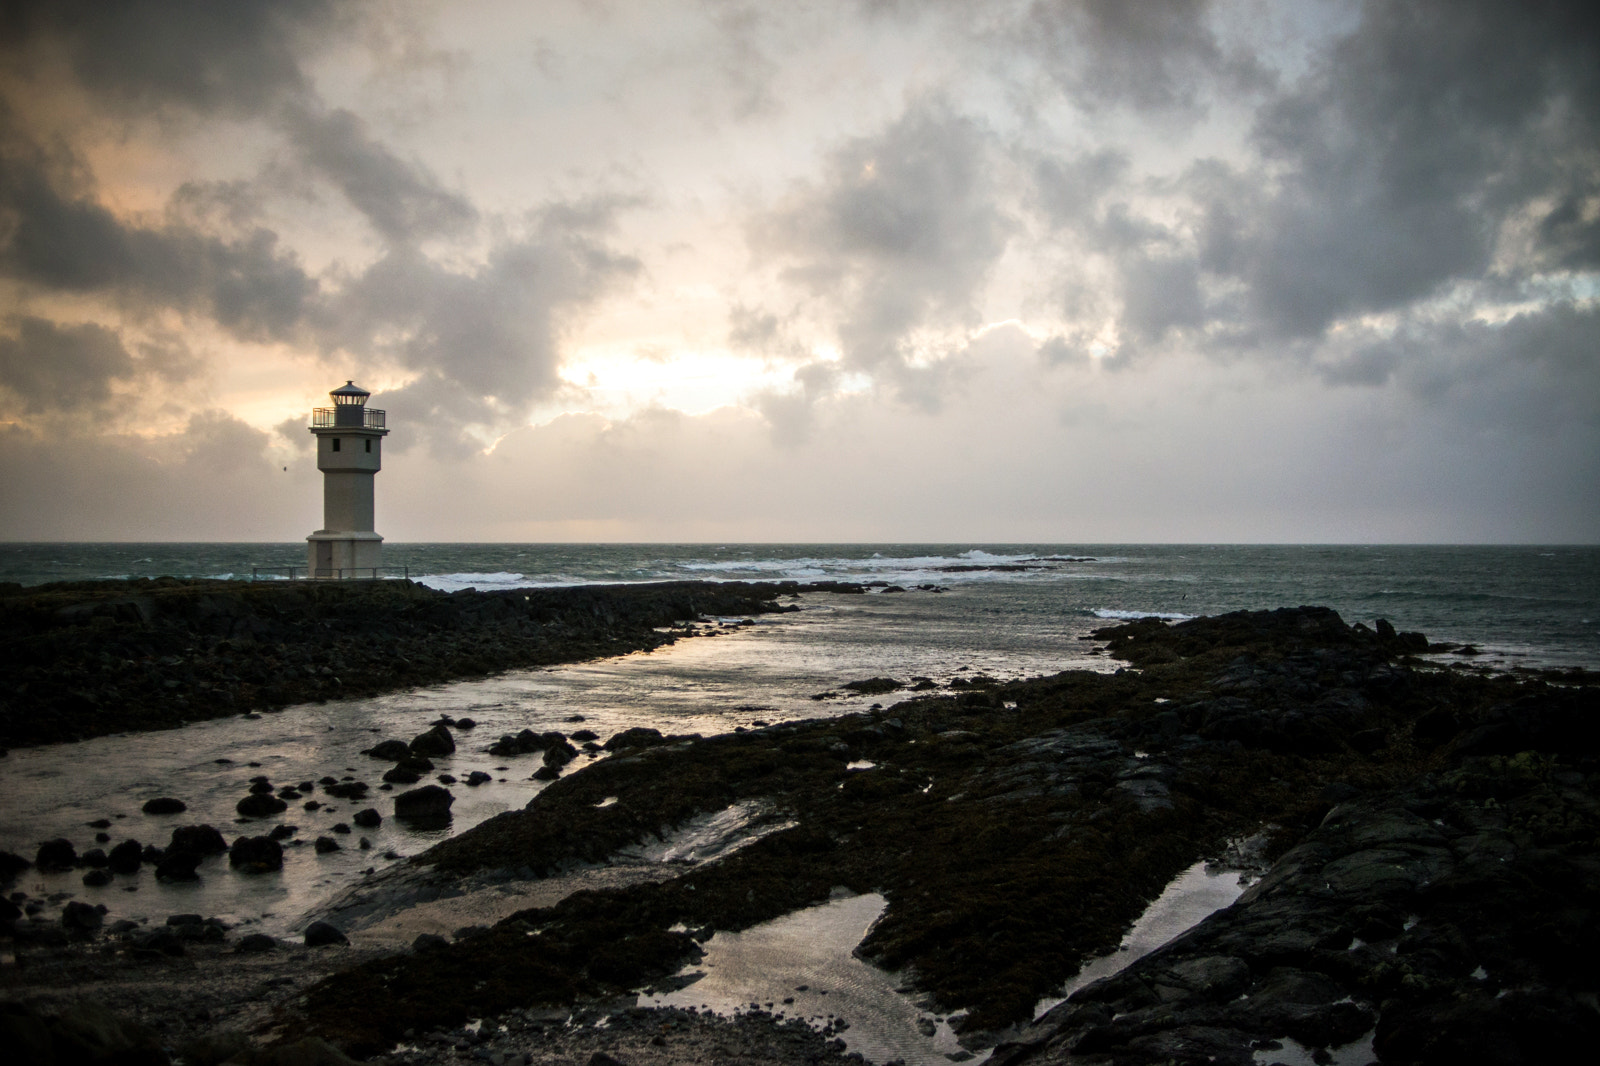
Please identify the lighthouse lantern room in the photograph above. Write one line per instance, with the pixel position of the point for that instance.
(349, 452)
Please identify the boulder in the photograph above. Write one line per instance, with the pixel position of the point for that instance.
(389, 750)
(399, 775)
(637, 737)
(350, 790)
(368, 818)
(98, 878)
(57, 854)
(12, 864)
(260, 805)
(256, 855)
(255, 943)
(478, 777)
(126, 857)
(325, 845)
(319, 934)
(436, 741)
(81, 917)
(94, 857)
(429, 804)
(164, 805)
(178, 866)
(200, 839)
(558, 755)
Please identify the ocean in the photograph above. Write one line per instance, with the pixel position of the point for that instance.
(1535, 606)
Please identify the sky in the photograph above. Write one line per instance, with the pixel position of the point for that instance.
(1048, 271)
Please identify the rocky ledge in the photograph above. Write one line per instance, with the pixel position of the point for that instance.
(1434, 837)
(96, 657)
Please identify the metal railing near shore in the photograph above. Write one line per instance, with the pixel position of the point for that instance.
(331, 573)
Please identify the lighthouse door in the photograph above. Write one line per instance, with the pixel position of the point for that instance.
(324, 559)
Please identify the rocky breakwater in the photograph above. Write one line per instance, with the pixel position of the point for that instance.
(1017, 829)
(88, 658)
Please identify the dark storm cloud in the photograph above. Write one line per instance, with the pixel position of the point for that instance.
(58, 240)
(401, 200)
(1406, 152)
(1156, 54)
(232, 58)
(902, 233)
(62, 368)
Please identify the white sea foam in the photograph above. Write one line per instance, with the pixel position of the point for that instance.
(455, 582)
(1168, 616)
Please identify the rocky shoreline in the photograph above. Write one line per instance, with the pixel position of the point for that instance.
(1428, 839)
(96, 657)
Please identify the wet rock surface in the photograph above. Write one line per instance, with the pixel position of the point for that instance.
(95, 657)
(1430, 875)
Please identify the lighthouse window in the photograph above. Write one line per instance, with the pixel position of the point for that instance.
(336, 444)
(369, 445)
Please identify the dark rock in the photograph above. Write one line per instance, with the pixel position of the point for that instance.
(12, 864)
(389, 750)
(368, 818)
(256, 855)
(582, 735)
(126, 857)
(81, 917)
(320, 934)
(258, 805)
(427, 805)
(254, 943)
(429, 941)
(162, 940)
(558, 755)
(341, 827)
(874, 686)
(325, 845)
(478, 777)
(200, 839)
(98, 878)
(399, 775)
(637, 737)
(547, 773)
(57, 854)
(436, 741)
(93, 857)
(262, 788)
(350, 790)
(165, 805)
(283, 832)
(466, 723)
(178, 865)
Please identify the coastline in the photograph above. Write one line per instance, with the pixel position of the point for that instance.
(90, 658)
(1017, 828)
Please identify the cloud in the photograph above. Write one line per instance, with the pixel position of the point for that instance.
(901, 234)
(63, 368)
(483, 341)
(1409, 148)
(1162, 56)
(233, 59)
(401, 200)
(59, 239)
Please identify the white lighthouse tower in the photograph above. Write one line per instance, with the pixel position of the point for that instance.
(349, 452)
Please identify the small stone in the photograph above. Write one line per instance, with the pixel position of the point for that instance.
(325, 845)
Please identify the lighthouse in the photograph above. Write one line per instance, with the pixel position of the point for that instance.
(349, 452)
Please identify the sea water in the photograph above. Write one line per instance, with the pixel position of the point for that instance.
(1531, 605)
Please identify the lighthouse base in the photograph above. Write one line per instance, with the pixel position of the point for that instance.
(337, 553)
